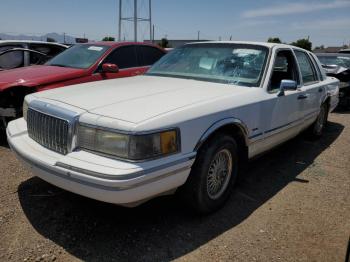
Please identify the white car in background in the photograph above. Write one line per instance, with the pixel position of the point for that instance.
(188, 124)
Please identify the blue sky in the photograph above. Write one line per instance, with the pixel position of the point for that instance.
(326, 22)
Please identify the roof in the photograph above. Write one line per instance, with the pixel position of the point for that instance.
(175, 42)
(269, 45)
(114, 44)
(30, 42)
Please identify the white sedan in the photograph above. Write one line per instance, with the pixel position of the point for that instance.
(189, 124)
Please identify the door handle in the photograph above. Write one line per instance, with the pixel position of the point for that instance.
(302, 97)
(320, 90)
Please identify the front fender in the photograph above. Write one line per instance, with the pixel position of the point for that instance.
(221, 123)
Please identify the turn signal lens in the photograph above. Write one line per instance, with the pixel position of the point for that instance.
(168, 142)
(25, 109)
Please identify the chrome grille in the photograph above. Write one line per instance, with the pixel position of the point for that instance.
(48, 131)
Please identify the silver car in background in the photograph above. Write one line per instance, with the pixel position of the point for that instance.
(338, 66)
(19, 53)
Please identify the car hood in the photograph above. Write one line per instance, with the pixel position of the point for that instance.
(37, 75)
(137, 99)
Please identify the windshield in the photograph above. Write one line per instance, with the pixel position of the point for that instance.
(343, 61)
(223, 63)
(78, 56)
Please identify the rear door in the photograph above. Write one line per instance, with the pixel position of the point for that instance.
(312, 89)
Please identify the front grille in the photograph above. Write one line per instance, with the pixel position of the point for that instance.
(48, 131)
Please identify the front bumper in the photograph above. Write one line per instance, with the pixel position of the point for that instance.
(97, 177)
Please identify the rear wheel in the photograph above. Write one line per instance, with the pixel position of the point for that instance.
(318, 126)
(213, 174)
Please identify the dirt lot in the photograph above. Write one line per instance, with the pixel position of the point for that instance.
(293, 204)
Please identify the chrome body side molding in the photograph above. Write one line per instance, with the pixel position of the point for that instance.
(223, 122)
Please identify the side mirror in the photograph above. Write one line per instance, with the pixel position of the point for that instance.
(110, 68)
(287, 85)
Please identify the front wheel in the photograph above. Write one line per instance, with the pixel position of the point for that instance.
(213, 174)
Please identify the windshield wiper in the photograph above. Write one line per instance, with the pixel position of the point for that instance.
(58, 65)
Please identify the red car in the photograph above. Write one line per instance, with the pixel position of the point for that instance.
(79, 64)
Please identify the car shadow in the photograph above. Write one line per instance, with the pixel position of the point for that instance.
(3, 139)
(161, 229)
(342, 111)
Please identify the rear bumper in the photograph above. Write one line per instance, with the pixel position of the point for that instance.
(120, 183)
(344, 96)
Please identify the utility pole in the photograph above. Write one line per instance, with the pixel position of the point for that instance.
(198, 35)
(64, 38)
(150, 20)
(135, 19)
(120, 21)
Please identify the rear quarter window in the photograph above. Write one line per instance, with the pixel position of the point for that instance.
(318, 67)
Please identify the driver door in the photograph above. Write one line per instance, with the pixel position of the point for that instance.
(125, 58)
(282, 116)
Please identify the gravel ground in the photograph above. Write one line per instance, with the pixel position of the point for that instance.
(293, 204)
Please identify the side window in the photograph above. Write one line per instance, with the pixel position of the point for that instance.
(11, 59)
(284, 68)
(306, 68)
(49, 50)
(123, 57)
(148, 55)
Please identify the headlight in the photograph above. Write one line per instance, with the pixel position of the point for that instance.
(25, 110)
(133, 147)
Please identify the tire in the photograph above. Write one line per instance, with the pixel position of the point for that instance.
(317, 128)
(208, 185)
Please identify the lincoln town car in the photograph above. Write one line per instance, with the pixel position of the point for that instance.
(187, 126)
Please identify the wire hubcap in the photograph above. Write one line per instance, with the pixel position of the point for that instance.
(219, 173)
(320, 120)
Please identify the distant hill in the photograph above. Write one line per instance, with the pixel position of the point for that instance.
(58, 37)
